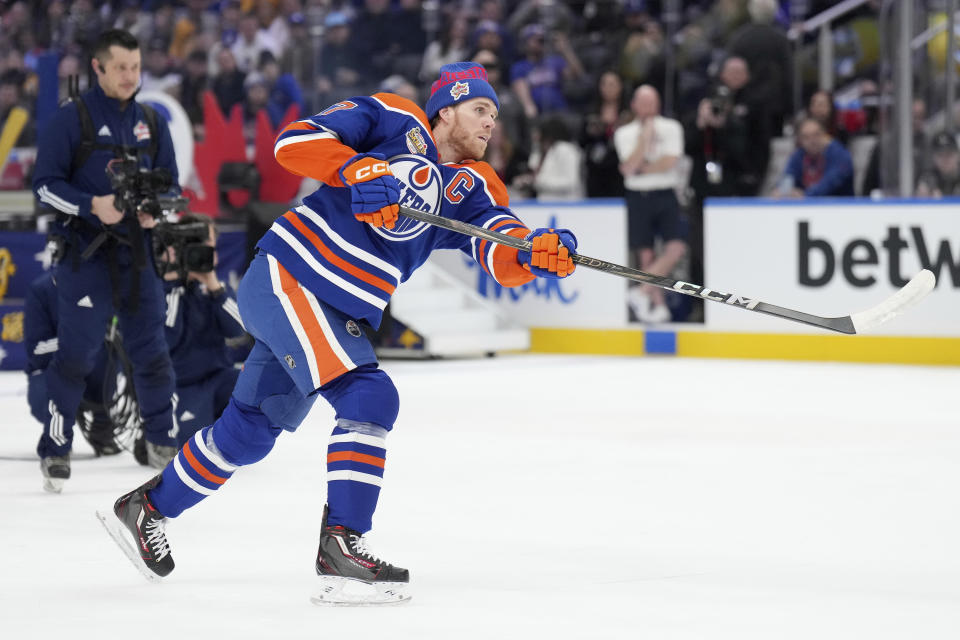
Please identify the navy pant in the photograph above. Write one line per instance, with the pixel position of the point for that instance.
(197, 405)
(85, 307)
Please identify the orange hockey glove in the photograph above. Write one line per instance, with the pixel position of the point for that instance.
(550, 255)
(374, 192)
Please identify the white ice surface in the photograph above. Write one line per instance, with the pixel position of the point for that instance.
(545, 497)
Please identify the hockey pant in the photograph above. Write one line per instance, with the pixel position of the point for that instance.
(84, 308)
(197, 405)
(303, 348)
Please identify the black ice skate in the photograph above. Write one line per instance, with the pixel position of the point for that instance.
(148, 548)
(55, 470)
(350, 574)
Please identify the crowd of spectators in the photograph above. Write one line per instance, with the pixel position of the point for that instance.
(565, 72)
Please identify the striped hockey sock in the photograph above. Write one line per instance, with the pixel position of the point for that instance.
(355, 459)
(196, 472)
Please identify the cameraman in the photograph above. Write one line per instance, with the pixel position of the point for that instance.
(728, 143)
(202, 324)
(105, 268)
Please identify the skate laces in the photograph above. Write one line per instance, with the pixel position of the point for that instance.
(157, 538)
(359, 544)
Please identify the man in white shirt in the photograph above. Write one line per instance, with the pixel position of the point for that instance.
(649, 147)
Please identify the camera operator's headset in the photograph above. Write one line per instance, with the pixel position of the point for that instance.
(134, 239)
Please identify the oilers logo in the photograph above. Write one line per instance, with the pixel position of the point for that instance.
(420, 188)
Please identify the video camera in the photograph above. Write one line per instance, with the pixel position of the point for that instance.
(181, 247)
(136, 187)
(720, 101)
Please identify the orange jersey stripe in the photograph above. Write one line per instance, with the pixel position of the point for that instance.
(329, 365)
(507, 270)
(353, 456)
(482, 247)
(317, 159)
(353, 270)
(198, 467)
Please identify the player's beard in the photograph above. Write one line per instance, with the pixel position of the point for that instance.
(465, 142)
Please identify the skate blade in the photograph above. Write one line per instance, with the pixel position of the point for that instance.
(335, 591)
(120, 535)
(53, 485)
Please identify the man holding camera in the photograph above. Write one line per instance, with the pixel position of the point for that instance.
(202, 324)
(106, 267)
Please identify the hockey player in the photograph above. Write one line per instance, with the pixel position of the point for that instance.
(105, 269)
(319, 275)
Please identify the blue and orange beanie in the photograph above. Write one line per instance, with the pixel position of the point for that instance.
(459, 82)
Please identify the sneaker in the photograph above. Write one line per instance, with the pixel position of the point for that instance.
(55, 471)
(351, 573)
(141, 519)
(159, 456)
(639, 303)
(658, 314)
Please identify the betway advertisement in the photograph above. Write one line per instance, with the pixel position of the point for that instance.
(832, 258)
(588, 298)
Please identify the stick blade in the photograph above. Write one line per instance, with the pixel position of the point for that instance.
(911, 293)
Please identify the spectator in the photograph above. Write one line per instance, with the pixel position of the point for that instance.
(451, 46)
(195, 20)
(409, 39)
(228, 83)
(339, 60)
(943, 177)
(301, 59)
(820, 167)
(553, 16)
(556, 164)
(283, 90)
(256, 97)
(53, 31)
(492, 36)
(251, 42)
(921, 151)
(538, 78)
(641, 54)
(373, 38)
(823, 108)
(195, 82)
(766, 50)
(603, 179)
(649, 148)
(158, 74)
(133, 19)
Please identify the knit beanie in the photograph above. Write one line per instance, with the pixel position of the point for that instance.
(459, 82)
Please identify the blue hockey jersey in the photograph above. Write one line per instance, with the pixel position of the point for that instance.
(355, 266)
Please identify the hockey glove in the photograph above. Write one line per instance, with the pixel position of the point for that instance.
(550, 255)
(373, 189)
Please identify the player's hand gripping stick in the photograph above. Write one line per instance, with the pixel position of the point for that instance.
(550, 255)
(373, 189)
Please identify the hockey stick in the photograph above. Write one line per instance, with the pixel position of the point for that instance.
(909, 295)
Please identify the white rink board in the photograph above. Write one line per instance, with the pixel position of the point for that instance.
(755, 248)
(588, 298)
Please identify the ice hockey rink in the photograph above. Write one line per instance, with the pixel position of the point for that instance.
(547, 497)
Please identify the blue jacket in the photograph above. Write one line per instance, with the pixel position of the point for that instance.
(198, 327)
(837, 179)
(54, 181)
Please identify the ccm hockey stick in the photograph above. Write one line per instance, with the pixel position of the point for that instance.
(856, 323)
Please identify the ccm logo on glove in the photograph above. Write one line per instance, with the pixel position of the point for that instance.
(374, 192)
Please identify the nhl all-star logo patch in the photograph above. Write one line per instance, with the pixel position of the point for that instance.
(290, 361)
(141, 131)
(459, 89)
(354, 329)
(416, 142)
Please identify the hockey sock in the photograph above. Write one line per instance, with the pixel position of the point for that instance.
(355, 459)
(196, 472)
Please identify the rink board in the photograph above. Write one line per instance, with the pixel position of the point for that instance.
(829, 257)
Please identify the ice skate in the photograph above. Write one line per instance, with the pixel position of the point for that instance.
(148, 549)
(55, 470)
(350, 574)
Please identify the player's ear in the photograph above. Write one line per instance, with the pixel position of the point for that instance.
(446, 114)
(96, 66)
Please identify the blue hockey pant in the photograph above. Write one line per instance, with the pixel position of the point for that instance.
(303, 348)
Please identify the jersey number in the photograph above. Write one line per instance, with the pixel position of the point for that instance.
(459, 187)
(340, 106)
